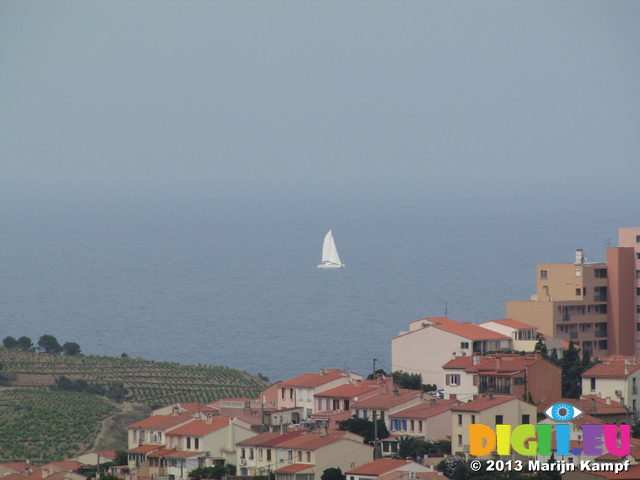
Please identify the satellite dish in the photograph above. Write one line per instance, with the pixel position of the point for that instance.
(355, 399)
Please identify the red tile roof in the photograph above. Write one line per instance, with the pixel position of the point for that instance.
(615, 366)
(426, 410)
(200, 428)
(19, 467)
(351, 390)
(314, 379)
(470, 331)
(387, 400)
(379, 467)
(173, 453)
(483, 403)
(145, 448)
(163, 422)
(294, 468)
(508, 363)
(69, 465)
(270, 439)
(311, 441)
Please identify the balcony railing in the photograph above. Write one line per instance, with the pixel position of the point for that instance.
(566, 317)
(600, 333)
(573, 335)
(600, 298)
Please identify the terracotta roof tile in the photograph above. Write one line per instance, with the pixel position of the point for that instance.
(173, 453)
(145, 448)
(162, 422)
(270, 439)
(379, 467)
(199, 428)
(426, 410)
(589, 404)
(615, 366)
(294, 468)
(351, 390)
(387, 400)
(483, 403)
(314, 379)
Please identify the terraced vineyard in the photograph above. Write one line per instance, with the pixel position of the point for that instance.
(44, 425)
(149, 382)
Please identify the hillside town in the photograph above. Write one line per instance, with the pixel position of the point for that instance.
(495, 372)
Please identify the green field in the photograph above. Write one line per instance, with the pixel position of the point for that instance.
(43, 425)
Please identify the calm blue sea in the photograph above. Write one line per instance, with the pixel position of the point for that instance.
(234, 282)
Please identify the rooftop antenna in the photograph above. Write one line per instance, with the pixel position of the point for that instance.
(446, 305)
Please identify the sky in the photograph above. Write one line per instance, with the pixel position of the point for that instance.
(469, 101)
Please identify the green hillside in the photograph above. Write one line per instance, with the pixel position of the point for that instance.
(42, 424)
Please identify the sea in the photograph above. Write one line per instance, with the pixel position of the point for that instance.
(214, 280)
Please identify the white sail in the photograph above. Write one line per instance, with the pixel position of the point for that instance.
(330, 258)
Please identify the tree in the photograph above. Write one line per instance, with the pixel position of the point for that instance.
(10, 343)
(449, 465)
(412, 381)
(411, 447)
(572, 369)
(364, 428)
(25, 344)
(332, 474)
(71, 348)
(379, 371)
(49, 344)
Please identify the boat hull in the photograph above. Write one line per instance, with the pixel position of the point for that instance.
(330, 265)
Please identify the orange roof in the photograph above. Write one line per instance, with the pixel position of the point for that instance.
(379, 466)
(616, 366)
(199, 428)
(426, 410)
(314, 379)
(270, 439)
(470, 331)
(350, 390)
(310, 441)
(294, 468)
(145, 448)
(173, 453)
(508, 363)
(111, 454)
(69, 465)
(19, 467)
(387, 400)
(163, 422)
(483, 403)
(509, 322)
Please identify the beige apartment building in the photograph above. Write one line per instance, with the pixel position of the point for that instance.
(595, 305)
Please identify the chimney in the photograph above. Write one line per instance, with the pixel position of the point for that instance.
(593, 405)
(608, 400)
(395, 392)
(579, 256)
(498, 361)
(432, 402)
(476, 358)
(490, 395)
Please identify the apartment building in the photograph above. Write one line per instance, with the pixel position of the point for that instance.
(630, 238)
(591, 304)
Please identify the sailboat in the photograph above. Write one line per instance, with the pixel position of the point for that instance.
(330, 258)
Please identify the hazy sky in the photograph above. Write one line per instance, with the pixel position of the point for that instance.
(446, 98)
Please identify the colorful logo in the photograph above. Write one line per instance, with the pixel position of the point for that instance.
(531, 440)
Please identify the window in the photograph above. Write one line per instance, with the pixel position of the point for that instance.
(637, 238)
(135, 432)
(543, 274)
(499, 420)
(283, 394)
(473, 419)
(637, 290)
(459, 440)
(308, 457)
(251, 453)
(464, 345)
(578, 292)
(453, 379)
(525, 419)
(260, 453)
(299, 455)
(637, 273)
(637, 308)
(459, 419)
(291, 393)
(578, 272)
(600, 272)
(517, 381)
(188, 442)
(358, 411)
(196, 445)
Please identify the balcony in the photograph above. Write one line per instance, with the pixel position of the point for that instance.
(600, 334)
(573, 335)
(600, 298)
(566, 317)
